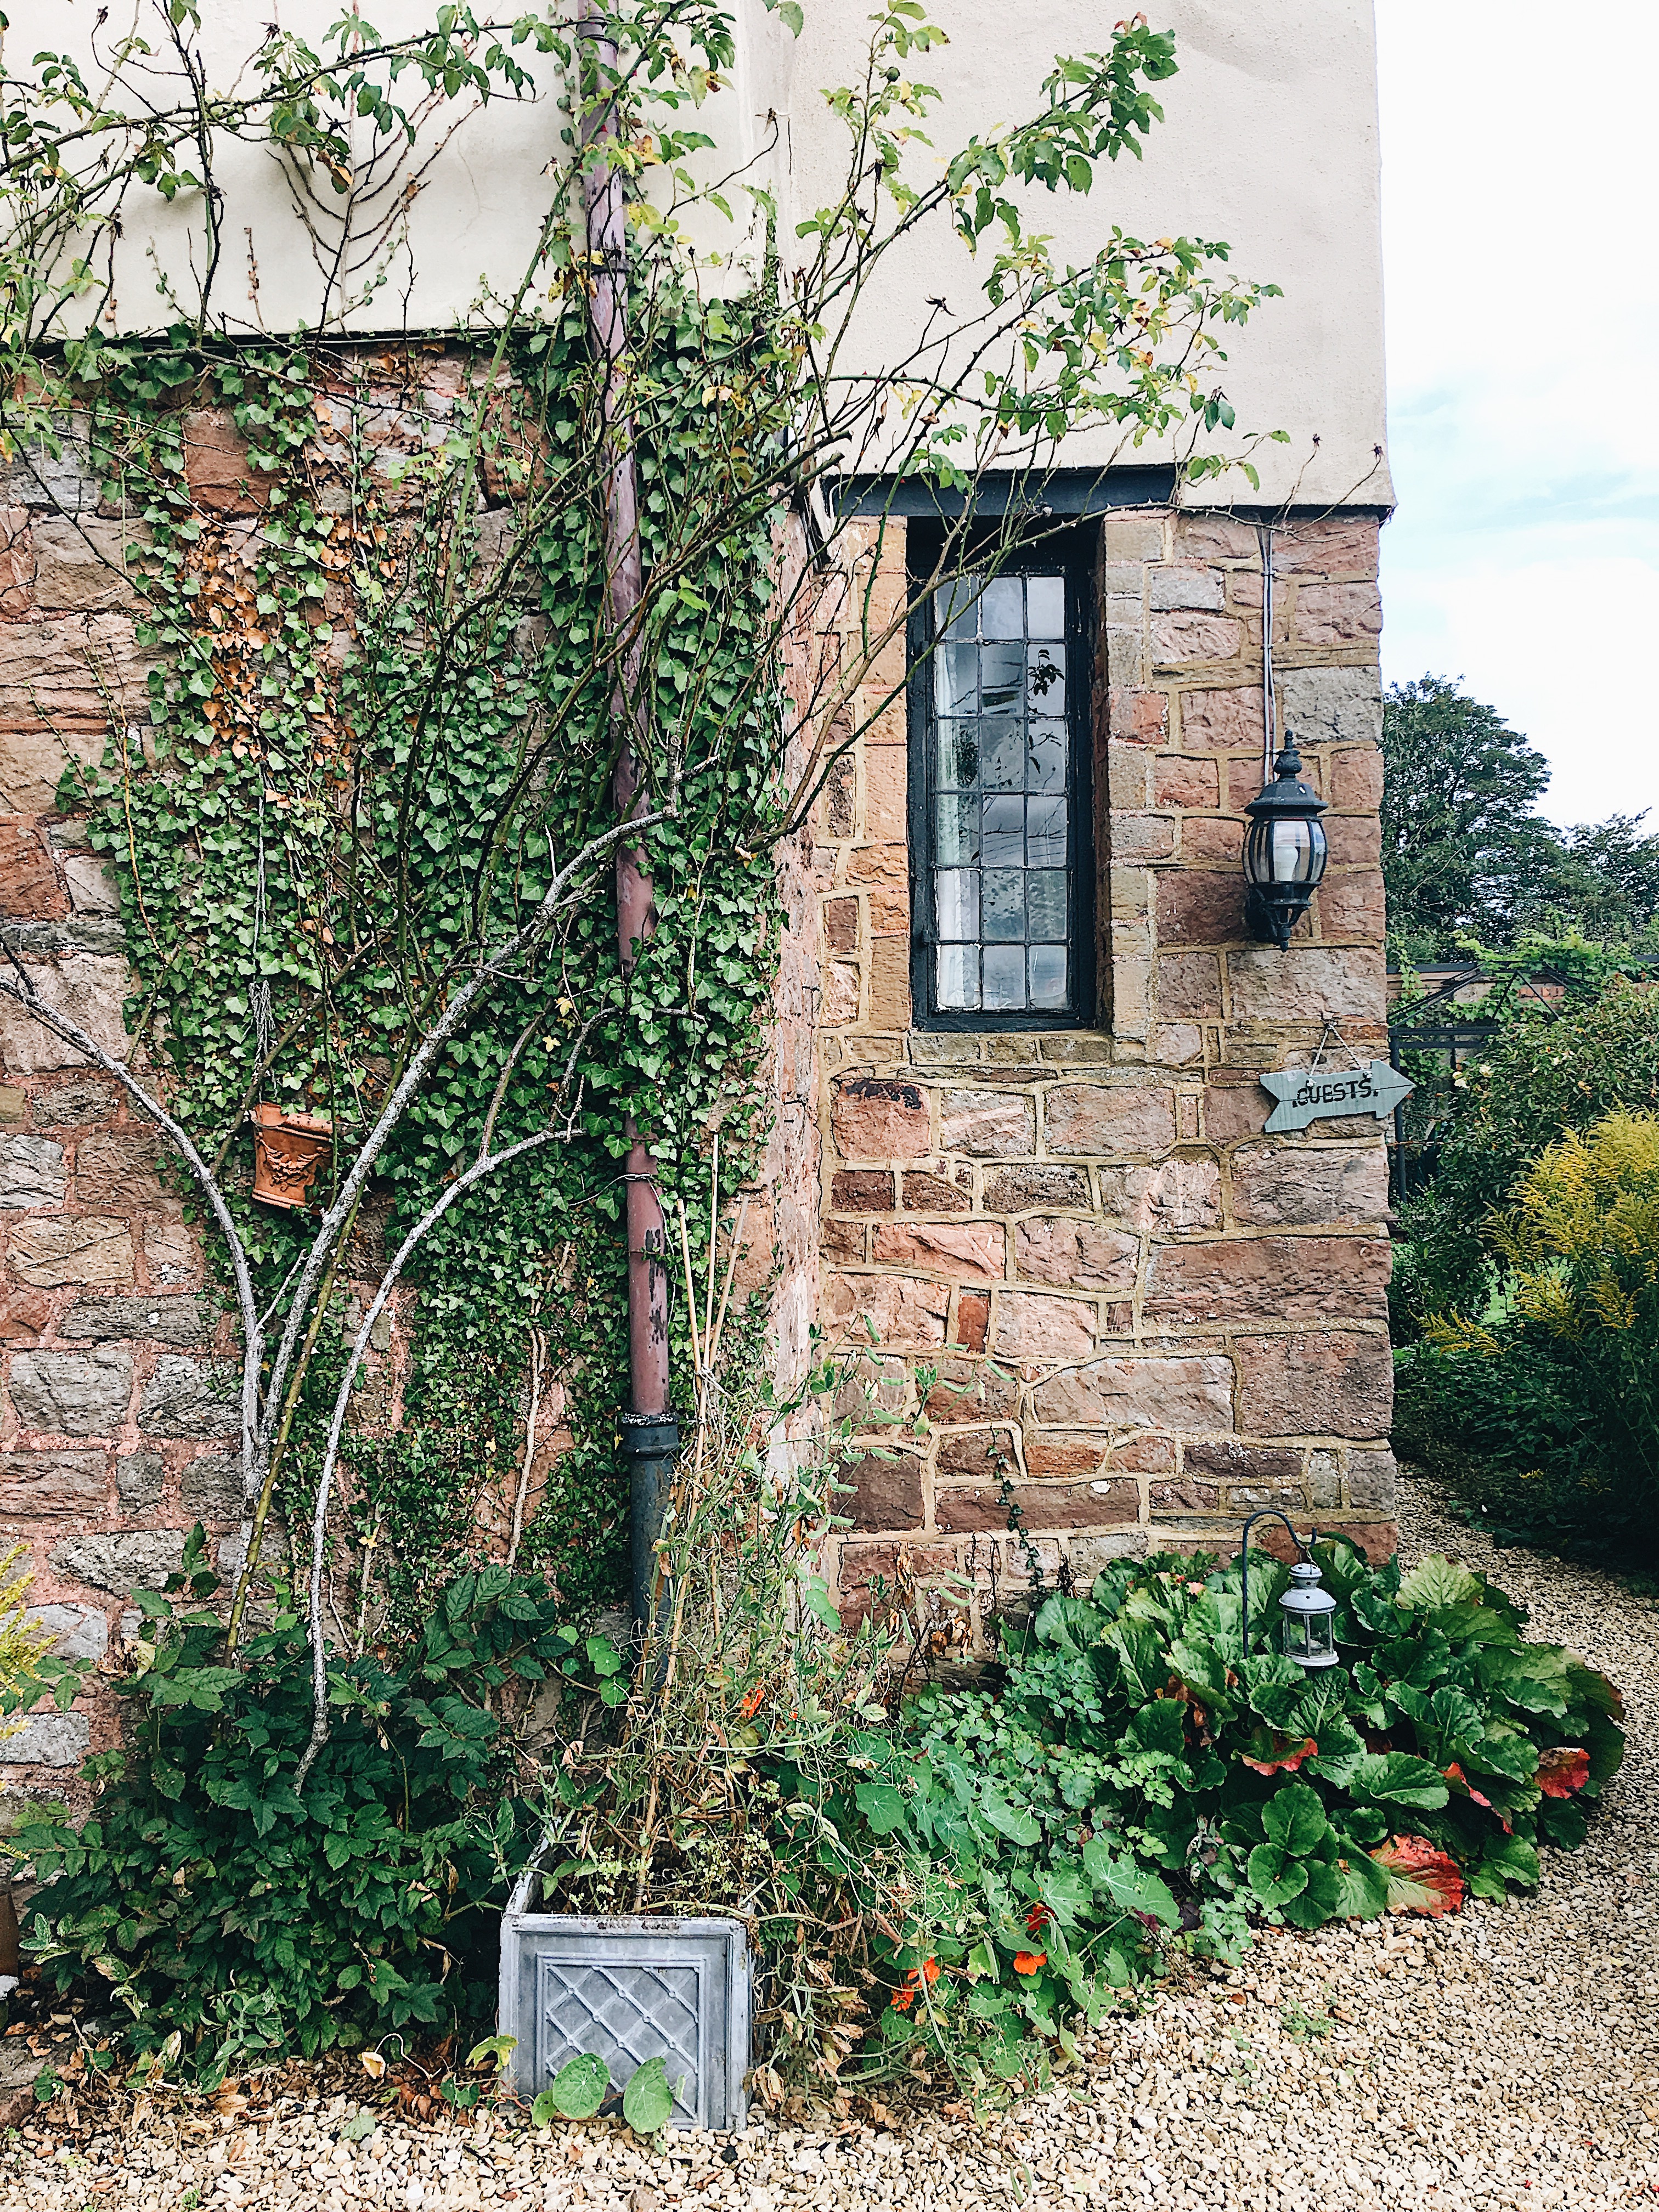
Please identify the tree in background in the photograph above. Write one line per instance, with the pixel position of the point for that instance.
(1466, 857)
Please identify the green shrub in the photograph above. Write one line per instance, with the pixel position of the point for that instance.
(1135, 1782)
(1556, 1386)
(224, 1910)
(1543, 1074)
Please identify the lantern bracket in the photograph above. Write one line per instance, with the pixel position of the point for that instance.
(1271, 1513)
(1314, 1536)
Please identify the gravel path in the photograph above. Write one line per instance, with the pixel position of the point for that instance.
(1504, 2057)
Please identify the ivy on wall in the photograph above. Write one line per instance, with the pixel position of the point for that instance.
(383, 699)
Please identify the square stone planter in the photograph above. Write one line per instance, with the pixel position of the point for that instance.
(628, 1991)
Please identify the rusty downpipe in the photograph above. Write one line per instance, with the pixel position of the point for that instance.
(650, 1438)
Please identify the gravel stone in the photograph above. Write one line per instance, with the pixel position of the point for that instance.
(1504, 2058)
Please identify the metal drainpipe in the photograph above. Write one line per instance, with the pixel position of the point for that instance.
(650, 1438)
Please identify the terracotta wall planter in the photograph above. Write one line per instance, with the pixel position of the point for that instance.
(288, 1151)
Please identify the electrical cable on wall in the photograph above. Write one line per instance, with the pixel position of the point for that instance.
(1269, 713)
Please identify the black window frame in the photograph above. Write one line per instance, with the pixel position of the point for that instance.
(1073, 551)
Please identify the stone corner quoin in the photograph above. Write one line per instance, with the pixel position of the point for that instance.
(1123, 1316)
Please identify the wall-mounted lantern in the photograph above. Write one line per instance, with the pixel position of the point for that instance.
(1307, 1611)
(1284, 851)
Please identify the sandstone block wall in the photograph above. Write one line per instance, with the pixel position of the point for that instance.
(1102, 1295)
(117, 1417)
(119, 1361)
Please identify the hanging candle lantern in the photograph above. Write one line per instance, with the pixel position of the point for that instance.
(1284, 851)
(288, 1151)
(1307, 1632)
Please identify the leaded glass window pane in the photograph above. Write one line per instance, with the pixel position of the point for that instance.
(1001, 795)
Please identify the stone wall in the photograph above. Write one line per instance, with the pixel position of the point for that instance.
(118, 1421)
(1102, 1297)
(118, 1359)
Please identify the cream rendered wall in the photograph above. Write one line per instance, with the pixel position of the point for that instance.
(1270, 141)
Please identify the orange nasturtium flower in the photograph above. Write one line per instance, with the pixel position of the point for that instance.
(1037, 1919)
(1027, 1962)
(751, 1704)
(904, 1998)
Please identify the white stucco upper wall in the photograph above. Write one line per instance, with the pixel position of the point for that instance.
(1270, 141)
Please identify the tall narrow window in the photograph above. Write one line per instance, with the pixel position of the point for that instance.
(1002, 910)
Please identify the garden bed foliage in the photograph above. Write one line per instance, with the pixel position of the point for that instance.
(1550, 1387)
(1523, 1300)
(958, 1878)
(229, 1920)
(1136, 1786)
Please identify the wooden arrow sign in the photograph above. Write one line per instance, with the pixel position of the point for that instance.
(1315, 1094)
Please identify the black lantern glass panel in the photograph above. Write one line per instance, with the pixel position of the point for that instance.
(1284, 851)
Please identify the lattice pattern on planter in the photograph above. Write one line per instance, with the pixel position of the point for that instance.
(626, 2013)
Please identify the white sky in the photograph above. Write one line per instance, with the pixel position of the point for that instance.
(1519, 242)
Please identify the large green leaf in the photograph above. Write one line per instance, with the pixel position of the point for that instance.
(1161, 1726)
(1501, 1749)
(1131, 1887)
(576, 2091)
(1070, 1624)
(1533, 1676)
(1274, 1685)
(1341, 1748)
(1395, 1778)
(1605, 1740)
(1141, 1652)
(648, 2101)
(1201, 1669)
(1374, 1611)
(1515, 1859)
(882, 1806)
(1362, 1887)
(1011, 1820)
(1272, 1876)
(1437, 1581)
(1293, 1818)
(1320, 1901)
(1067, 1890)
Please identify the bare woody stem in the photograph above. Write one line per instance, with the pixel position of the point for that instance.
(488, 968)
(377, 1306)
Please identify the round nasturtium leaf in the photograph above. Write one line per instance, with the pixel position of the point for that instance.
(576, 2091)
(647, 2101)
